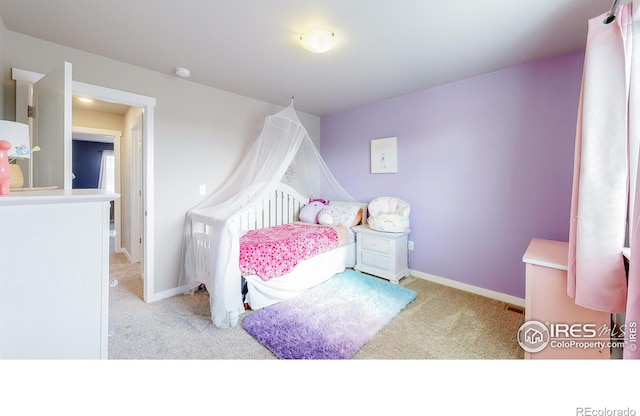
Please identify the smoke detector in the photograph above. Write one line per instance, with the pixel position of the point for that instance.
(182, 72)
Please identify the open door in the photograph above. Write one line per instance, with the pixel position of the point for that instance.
(51, 118)
(137, 203)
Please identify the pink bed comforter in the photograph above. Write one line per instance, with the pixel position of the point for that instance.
(275, 251)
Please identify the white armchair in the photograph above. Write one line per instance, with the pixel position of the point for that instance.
(389, 214)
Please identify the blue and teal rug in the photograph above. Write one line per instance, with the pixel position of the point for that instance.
(330, 321)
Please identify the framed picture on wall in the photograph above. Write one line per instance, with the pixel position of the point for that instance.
(384, 155)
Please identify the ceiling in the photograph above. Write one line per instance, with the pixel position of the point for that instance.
(100, 106)
(386, 48)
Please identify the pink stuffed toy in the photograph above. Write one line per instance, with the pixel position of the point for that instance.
(309, 213)
(322, 201)
(5, 175)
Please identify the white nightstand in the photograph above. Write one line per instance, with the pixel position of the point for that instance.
(382, 254)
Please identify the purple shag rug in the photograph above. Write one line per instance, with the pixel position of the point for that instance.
(330, 321)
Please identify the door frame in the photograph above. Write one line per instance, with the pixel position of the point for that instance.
(23, 80)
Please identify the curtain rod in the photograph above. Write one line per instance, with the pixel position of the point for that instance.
(612, 13)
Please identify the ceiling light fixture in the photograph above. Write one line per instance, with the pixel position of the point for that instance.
(182, 72)
(85, 99)
(318, 40)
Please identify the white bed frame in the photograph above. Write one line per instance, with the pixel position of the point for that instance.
(280, 206)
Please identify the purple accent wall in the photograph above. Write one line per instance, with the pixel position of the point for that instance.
(486, 164)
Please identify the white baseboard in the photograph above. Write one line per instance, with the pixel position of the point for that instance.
(168, 293)
(126, 254)
(513, 300)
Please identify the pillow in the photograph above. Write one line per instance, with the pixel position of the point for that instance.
(341, 213)
(309, 213)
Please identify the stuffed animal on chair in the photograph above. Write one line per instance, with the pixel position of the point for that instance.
(389, 214)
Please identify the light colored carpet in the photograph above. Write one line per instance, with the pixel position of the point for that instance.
(441, 323)
(447, 323)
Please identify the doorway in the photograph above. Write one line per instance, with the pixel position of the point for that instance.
(140, 113)
(146, 106)
(90, 143)
(90, 117)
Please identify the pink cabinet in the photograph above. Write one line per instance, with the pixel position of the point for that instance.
(572, 332)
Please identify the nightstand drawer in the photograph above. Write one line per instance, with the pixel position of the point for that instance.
(378, 245)
(376, 260)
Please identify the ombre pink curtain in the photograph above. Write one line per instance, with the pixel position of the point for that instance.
(605, 160)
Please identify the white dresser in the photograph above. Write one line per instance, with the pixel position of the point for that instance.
(382, 254)
(54, 274)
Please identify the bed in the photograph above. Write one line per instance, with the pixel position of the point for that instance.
(283, 211)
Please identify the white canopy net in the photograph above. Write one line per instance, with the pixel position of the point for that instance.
(283, 153)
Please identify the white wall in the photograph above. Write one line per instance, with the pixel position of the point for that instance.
(3, 31)
(201, 133)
